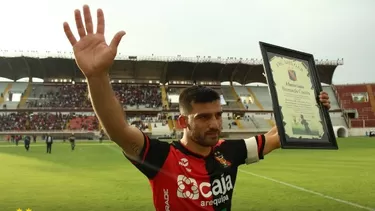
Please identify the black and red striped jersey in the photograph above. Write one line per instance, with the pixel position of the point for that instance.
(183, 180)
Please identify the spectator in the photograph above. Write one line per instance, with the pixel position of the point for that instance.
(75, 96)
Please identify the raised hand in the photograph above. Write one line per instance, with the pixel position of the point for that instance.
(272, 140)
(324, 99)
(93, 56)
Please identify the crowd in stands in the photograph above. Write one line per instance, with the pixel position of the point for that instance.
(66, 96)
(33, 121)
(40, 121)
(83, 122)
(44, 121)
(136, 95)
(76, 96)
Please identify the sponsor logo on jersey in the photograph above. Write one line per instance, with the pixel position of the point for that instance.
(218, 189)
(187, 187)
(220, 158)
(185, 163)
(166, 199)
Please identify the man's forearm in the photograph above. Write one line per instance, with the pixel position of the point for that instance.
(106, 106)
(272, 143)
(268, 148)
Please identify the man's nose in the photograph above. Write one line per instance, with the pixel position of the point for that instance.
(214, 124)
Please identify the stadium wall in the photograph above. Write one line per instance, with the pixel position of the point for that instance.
(360, 131)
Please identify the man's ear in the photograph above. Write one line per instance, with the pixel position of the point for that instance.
(182, 121)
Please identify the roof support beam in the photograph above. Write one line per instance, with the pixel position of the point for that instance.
(247, 73)
(164, 78)
(74, 75)
(220, 75)
(234, 72)
(43, 68)
(11, 68)
(193, 72)
(134, 67)
(28, 68)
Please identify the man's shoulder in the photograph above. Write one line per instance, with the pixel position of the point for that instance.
(156, 145)
(163, 141)
(226, 142)
(230, 146)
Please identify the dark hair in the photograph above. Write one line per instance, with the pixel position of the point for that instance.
(196, 94)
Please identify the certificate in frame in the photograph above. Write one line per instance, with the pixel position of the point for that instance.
(294, 85)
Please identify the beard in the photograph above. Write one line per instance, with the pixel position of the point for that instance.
(206, 139)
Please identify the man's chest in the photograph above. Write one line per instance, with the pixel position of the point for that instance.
(201, 181)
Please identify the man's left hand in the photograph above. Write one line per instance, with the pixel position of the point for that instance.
(324, 99)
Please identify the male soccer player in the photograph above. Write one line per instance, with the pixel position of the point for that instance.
(196, 173)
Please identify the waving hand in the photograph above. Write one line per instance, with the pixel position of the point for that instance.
(93, 55)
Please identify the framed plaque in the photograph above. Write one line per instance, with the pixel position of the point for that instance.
(294, 85)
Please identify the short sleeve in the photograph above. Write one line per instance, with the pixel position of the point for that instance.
(152, 157)
(244, 151)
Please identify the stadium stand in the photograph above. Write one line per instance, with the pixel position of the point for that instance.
(261, 97)
(148, 88)
(231, 97)
(34, 121)
(76, 96)
(139, 96)
(332, 96)
(60, 96)
(358, 104)
(12, 90)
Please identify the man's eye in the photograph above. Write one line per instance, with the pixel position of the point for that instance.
(205, 116)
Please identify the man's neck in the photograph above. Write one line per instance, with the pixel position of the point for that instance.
(194, 147)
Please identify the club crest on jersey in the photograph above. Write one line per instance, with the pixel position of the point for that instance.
(220, 158)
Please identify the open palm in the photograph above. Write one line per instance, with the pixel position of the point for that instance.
(93, 56)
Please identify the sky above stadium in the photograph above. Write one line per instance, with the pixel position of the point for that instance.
(329, 29)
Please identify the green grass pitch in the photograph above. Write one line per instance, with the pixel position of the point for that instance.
(96, 177)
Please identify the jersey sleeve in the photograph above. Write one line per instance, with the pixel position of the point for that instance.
(254, 149)
(244, 151)
(152, 157)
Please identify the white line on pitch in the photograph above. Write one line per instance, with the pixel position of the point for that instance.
(309, 191)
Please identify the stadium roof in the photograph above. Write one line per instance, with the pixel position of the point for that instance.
(163, 69)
